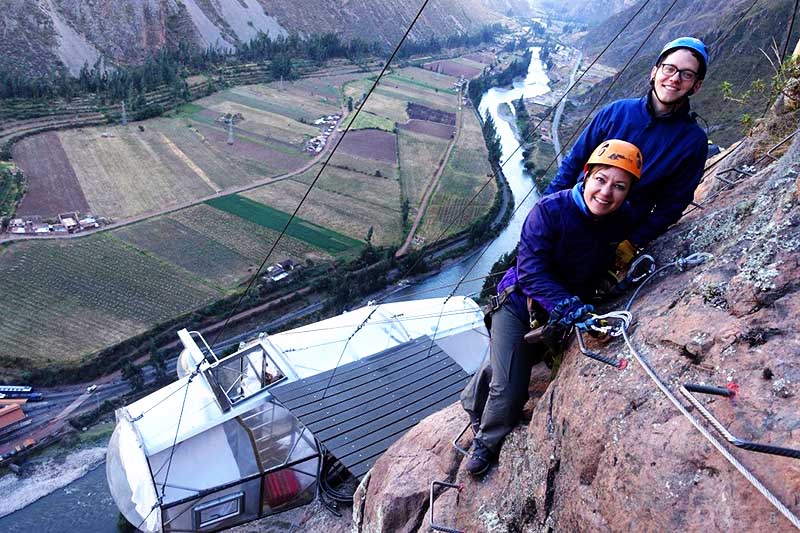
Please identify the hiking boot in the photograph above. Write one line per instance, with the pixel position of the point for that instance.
(480, 458)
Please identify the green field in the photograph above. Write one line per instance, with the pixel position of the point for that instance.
(268, 217)
(64, 300)
(365, 120)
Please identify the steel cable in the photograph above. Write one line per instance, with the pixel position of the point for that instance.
(680, 264)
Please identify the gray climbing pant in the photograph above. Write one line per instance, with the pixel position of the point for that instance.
(498, 391)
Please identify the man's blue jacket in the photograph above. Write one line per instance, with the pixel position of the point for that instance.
(563, 251)
(674, 150)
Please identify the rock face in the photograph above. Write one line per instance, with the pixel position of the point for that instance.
(605, 450)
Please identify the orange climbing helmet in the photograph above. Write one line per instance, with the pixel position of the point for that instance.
(617, 153)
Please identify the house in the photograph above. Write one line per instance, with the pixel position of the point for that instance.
(11, 414)
(69, 221)
(280, 270)
(288, 265)
(88, 222)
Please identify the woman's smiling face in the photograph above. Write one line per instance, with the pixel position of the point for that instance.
(605, 189)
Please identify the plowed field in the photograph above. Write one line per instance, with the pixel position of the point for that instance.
(51, 183)
(371, 144)
(442, 131)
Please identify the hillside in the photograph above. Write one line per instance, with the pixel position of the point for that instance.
(604, 450)
(41, 35)
(584, 10)
(737, 53)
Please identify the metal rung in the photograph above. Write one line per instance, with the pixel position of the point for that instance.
(458, 448)
(716, 424)
(434, 526)
(619, 364)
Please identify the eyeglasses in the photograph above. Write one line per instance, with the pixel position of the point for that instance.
(685, 74)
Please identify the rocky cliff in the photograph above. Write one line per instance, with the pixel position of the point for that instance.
(604, 450)
(39, 36)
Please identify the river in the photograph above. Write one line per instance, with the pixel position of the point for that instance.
(520, 182)
(86, 505)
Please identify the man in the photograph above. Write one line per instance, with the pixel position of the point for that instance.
(661, 125)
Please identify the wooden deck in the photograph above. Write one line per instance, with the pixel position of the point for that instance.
(358, 410)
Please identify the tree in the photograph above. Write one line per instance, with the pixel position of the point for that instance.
(133, 375)
(159, 362)
(492, 140)
(281, 67)
(404, 209)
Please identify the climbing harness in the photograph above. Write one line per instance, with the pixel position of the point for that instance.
(447, 485)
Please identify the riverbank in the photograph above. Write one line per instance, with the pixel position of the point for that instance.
(45, 476)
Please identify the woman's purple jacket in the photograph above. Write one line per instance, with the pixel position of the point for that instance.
(563, 251)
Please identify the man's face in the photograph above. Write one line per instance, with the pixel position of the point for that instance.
(670, 89)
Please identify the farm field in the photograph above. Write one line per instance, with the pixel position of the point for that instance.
(367, 120)
(419, 157)
(214, 244)
(276, 220)
(58, 190)
(369, 167)
(456, 68)
(118, 283)
(371, 144)
(330, 204)
(443, 100)
(392, 109)
(63, 300)
(125, 171)
(464, 174)
(426, 127)
(382, 193)
(426, 78)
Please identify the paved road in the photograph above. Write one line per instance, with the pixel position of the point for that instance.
(560, 110)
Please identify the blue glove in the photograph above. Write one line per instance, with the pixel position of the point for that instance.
(571, 311)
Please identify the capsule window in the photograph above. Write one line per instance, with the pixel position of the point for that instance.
(209, 513)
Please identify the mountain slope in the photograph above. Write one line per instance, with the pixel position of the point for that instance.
(736, 46)
(40, 35)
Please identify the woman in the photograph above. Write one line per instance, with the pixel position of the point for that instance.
(567, 243)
